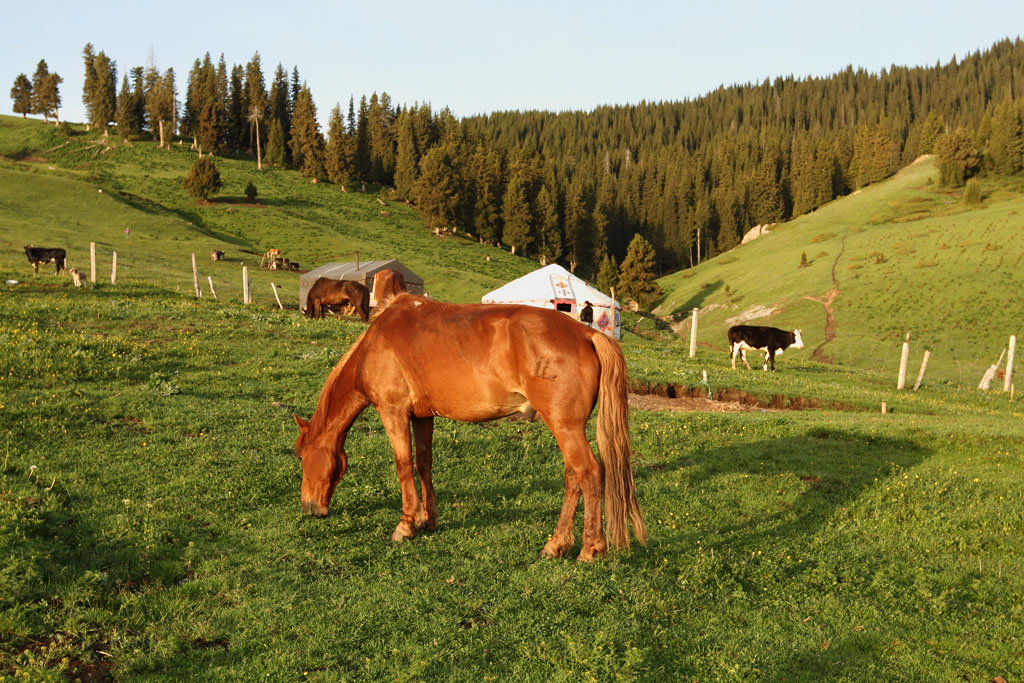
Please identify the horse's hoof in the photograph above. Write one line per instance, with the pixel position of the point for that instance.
(403, 532)
(552, 549)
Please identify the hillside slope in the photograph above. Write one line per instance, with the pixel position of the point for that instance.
(899, 256)
(57, 191)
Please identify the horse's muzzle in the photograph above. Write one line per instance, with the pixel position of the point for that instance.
(310, 507)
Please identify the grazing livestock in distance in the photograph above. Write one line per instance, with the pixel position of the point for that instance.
(387, 284)
(476, 362)
(216, 255)
(37, 255)
(771, 340)
(326, 292)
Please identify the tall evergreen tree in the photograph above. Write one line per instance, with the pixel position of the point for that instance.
(275, 155)
(89, 83)
(637, 278)
(549, 237)
(337, 157)
(256, 96)
(517, 215)
(128, 122)
(307, 144)
(161, 104)
(21, 93)
(362, 141)
(45, 93)
(103, 100)
(437, 189)
(485, 169)
(407, 156)
(608, 274)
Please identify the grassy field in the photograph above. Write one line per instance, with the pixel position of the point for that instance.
(149, 514)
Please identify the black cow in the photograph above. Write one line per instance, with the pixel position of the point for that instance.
(37, 255)
(771, 340)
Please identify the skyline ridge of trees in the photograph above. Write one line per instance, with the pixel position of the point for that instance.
(690, 176)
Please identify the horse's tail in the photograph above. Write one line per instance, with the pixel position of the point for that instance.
(614, 448)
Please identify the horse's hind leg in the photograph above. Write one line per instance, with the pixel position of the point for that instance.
(562, 538)
(588, 474)
(423, 433)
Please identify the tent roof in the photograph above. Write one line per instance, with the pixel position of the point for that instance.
(360, 271)
(550, 282)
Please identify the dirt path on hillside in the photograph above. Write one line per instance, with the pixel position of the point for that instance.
(826, 300)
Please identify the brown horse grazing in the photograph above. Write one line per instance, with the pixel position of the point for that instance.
(387, 284)
(476, 362)
(327, 292)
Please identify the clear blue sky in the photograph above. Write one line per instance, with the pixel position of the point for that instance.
(476, 56)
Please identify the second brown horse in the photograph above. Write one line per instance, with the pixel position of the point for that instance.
(326, 292)
(420, 359)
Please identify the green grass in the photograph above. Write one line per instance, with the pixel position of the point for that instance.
(149, 522)
(149, 513)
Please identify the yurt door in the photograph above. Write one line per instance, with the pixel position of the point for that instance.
(565, 298)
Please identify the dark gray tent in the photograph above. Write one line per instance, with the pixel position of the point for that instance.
(360, 271)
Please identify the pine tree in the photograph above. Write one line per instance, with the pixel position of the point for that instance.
(103, 100)
(636, 276)
(203, 179)
(39, 81)
(608, 274)
(336, 157)
(437, 188)
(21, 93)
(516, 215)
(256, 96)
(89, 84)
(407, 159)
(362, 141)
(161, 104)
(127, 126)
(956, 157)
(307, 144)
(485, 169)
(549, 237)
(274, 154)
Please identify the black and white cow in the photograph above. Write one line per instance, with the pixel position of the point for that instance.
(771, 340)
(37, 255)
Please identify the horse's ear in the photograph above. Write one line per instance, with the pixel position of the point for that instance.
(299, 421)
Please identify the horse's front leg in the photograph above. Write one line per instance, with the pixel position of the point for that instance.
(396, 424)
(423, 434)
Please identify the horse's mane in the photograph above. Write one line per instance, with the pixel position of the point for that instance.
(323, 407)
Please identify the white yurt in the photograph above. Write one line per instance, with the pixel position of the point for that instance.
(555, 287)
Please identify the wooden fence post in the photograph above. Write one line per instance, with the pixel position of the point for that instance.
(924, 364)
(113, 270)
(693, 332)
(274, 287)
(1008, 380)
(92, 260)
(212, 292)
(902, 381)
(195, 278)
(245, 284)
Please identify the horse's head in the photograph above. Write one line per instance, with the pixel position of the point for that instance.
(322, 468)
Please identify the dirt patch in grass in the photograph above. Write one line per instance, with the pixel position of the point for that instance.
(680, 398)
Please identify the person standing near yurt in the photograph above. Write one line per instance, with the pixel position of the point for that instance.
(587, 314)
